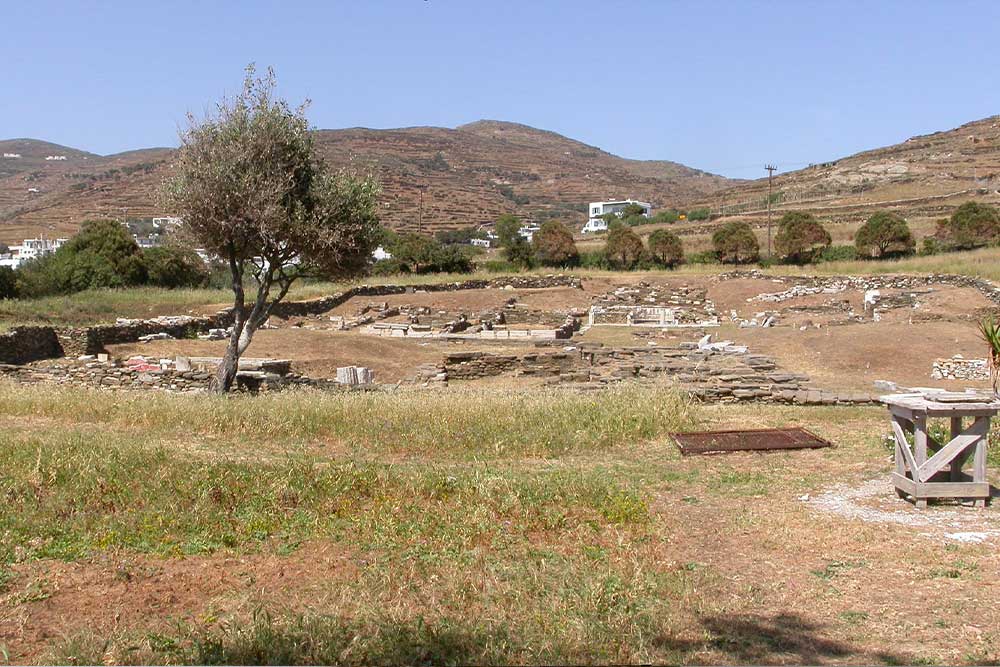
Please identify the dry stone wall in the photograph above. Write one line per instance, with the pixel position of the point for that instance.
(26, 344)
(711, 375)
(22, 345)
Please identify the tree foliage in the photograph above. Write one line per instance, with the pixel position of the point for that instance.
(800, 237)
(884, 234)
(554, 246)
(519, 252)
(413, 253)
(971, 226)
(735, 243)
(101, 255)
(507, 229)
(8, 283)
(666, 248)
(623, 248)
(173, 266)
(251, 189)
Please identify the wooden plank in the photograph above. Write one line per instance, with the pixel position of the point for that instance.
(904, 447)
(941, 489)
(919, 441)
(955, 471)
(951, 450)
(979, 460)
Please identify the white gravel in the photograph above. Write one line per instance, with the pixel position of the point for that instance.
(875, 501)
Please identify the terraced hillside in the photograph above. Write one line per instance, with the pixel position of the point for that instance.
(433, 178)
(923, 178)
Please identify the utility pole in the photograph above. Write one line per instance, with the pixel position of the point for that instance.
(420, 213)
(770, 174)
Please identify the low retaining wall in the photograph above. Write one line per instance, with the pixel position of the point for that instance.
(22, 345)
(25, 344)
(879, 282)
(709, 375)
(117, 376)
(958, 368)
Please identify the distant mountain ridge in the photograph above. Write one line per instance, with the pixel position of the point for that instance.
(433, 178)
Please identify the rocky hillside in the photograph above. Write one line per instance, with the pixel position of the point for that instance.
(923, 177)
(433, 178)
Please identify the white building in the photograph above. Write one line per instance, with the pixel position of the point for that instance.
(482, 243)
(30, 249)
(55, 157)
(166, 221)
(600, 208)
(12, 156)
(528, 232)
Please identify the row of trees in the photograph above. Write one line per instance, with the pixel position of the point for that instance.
(103, 255)
(801, 238)
(553, 245)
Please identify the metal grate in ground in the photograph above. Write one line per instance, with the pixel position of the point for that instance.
(759, 440)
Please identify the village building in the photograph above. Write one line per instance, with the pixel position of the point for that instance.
(598, 209)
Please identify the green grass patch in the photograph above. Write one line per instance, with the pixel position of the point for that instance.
(479, 423)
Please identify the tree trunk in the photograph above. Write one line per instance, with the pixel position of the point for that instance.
(225, 377)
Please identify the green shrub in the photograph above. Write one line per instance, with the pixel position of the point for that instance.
(173, 266)
(704, 257)
(594, 259)
(800, 237)
(735, 243)
(667, 216)
(885, 234)
(519, 252)
(931, 246)
(699, 214)
(498, 266)
(414, 253)
(837, 253)
(8, 283)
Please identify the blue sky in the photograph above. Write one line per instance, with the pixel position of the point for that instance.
(722, 86)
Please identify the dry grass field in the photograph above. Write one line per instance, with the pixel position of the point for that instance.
(458, 527)
(493, 521)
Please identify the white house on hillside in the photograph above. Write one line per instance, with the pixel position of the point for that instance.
(599, 208)
(30, 249)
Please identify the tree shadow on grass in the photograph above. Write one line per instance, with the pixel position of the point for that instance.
(777, 639)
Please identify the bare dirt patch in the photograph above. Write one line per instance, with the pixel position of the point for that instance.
(48, 600)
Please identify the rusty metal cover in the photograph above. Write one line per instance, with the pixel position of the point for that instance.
(759, 440)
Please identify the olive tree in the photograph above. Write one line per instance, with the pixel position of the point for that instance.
(251, 189)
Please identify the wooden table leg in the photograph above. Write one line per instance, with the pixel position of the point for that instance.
(919, 450)
(979, 459)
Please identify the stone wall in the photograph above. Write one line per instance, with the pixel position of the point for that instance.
(710, 375)
(33, 343)
(833, 284)
(959, 368)
(22, 345)
(114, 375)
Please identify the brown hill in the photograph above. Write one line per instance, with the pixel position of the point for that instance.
(924, 178)
(433, 178)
